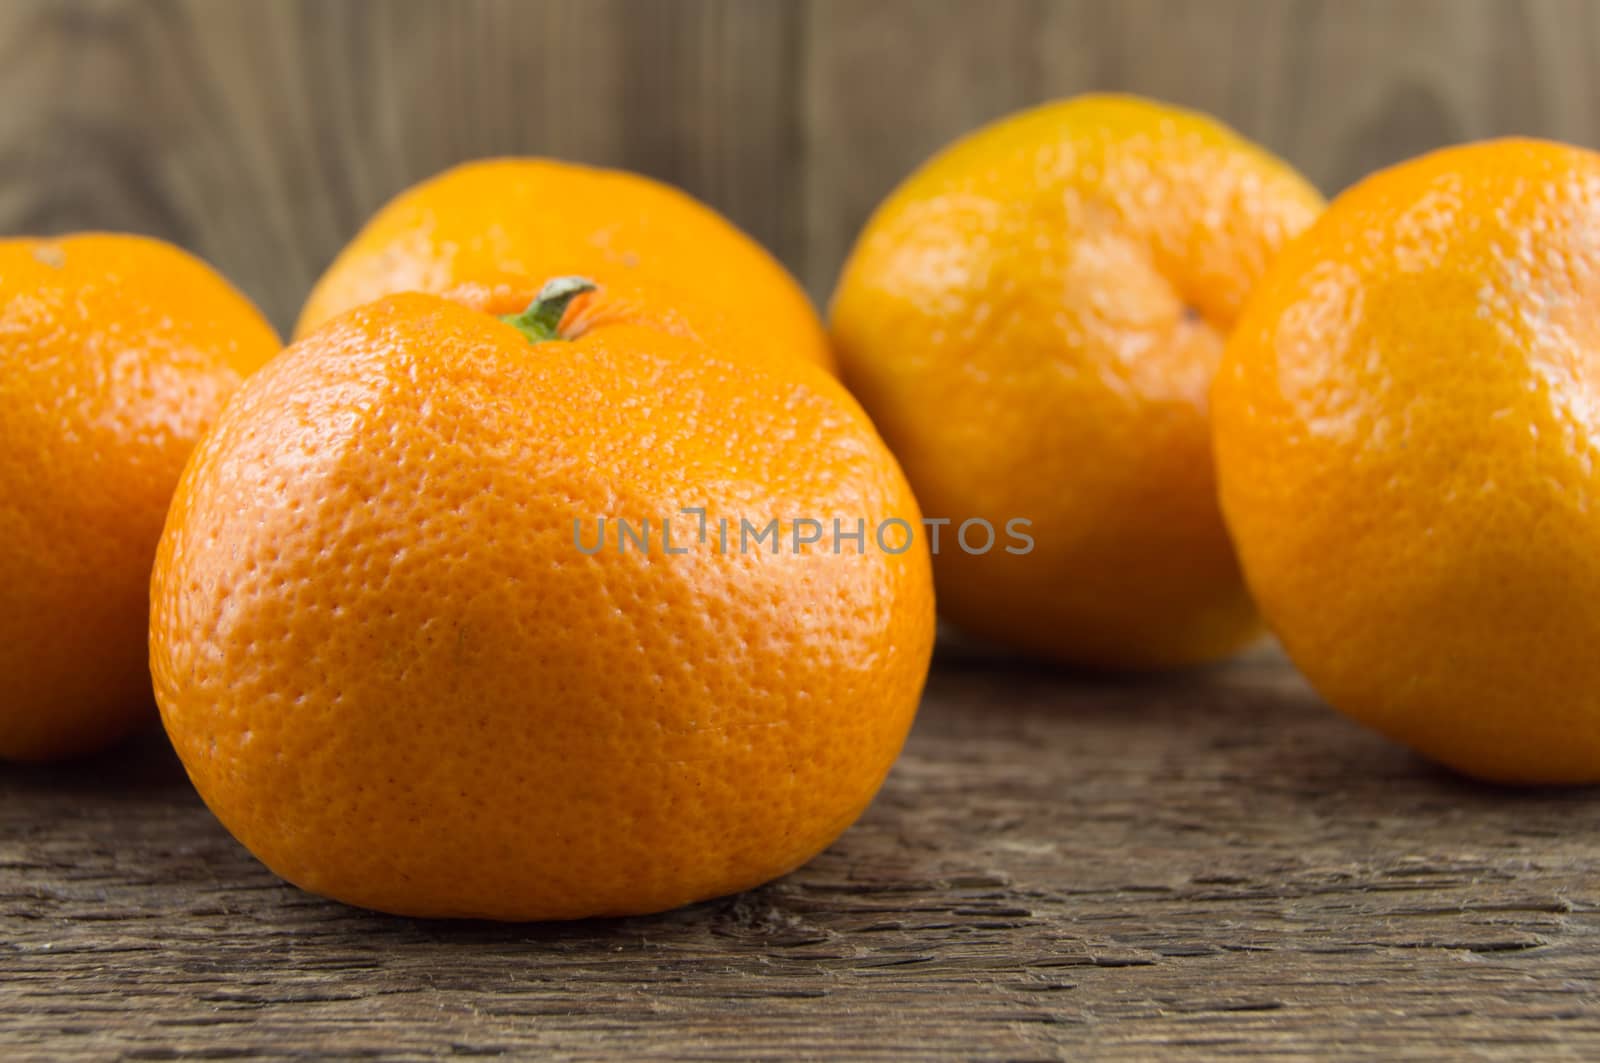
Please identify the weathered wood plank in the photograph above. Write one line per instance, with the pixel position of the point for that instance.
(262, 135)
(1208, 862)
(1338, 87)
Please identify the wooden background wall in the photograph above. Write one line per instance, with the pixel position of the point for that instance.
(260, 133)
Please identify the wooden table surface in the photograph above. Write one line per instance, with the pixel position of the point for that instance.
(1208, 863)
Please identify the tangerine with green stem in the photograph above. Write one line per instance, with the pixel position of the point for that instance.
(396, 674)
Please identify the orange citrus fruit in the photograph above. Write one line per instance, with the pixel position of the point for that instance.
(115, 353)
(1033, 319)
(408, 667)
(1408, 440)
(495, 225)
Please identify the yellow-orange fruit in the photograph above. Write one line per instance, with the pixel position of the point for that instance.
(116, 351)
(398, 672)
(501, 225)
(1408, 442)
(1033, 319)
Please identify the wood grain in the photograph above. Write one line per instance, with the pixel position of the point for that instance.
(1338, 87)
(261, 135)
(1195, 865)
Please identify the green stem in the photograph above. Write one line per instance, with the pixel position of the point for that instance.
(542, 320)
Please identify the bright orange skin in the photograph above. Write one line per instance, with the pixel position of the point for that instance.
(115, 353)
(510, 224)
(1408, 439)
(394, 677)
(1032, 320)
